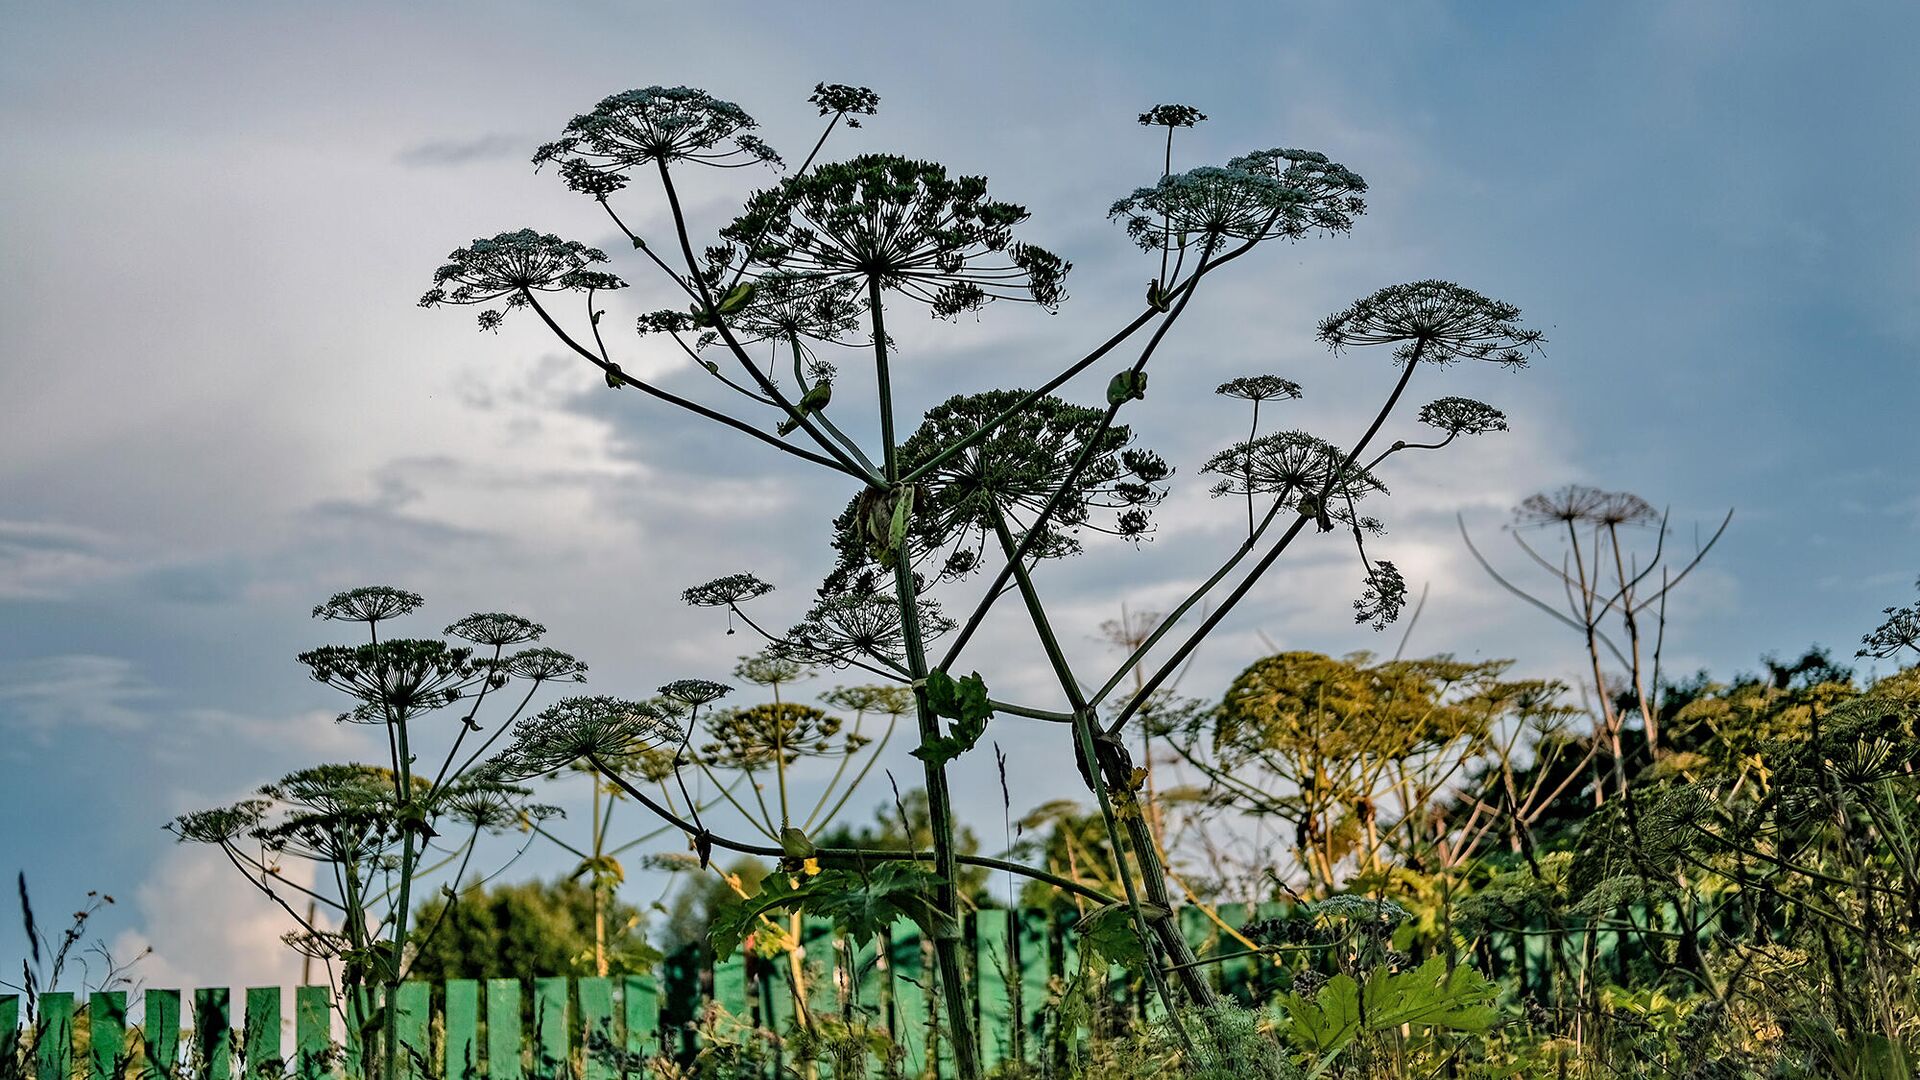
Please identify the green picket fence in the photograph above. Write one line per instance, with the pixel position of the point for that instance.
(557, 1028)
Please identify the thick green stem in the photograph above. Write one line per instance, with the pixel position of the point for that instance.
(1153, 879)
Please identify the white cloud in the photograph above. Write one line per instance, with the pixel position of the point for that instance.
(208, 927)
(43, 696)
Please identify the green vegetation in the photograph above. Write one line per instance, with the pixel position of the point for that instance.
(1455, 869)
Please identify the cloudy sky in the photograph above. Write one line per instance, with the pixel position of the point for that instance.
(222, 405)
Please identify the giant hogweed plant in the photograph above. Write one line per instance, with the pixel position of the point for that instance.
(991, 483)
(376, 835)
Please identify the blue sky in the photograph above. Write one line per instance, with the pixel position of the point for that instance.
(222, 404)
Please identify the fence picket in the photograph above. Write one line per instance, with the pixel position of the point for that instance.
(213, 1031)
(906, 975)
(462, 1029)
(53, 1041)
(312, 1031)
(159, 1034)
(9, 1029)
(596, 1019)
(503, 1029)
(411, 1002)
(262, 1032)
(640, 1001)
(551, 1042)
(992, 966)
(107, 1035)
(730, 984)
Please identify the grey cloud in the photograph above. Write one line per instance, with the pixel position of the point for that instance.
(42, 560)
(450, 153)
(42, 696)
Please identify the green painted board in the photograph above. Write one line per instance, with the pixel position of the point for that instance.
(503, 1029)
(107, 1034)
(640, 1002)
(997, 972)
(262, 1033)
(776, 995)
(823, 989)
(411, 1002)
(9, 1026)
(312, 1031)
(596, 1024)
(908, 978)
(463, 1030)
(53, 1042)
(213, 1031)
(550, 1056)
(160, 1034)
(1206, 940)
(1031, 951)
(730, 984)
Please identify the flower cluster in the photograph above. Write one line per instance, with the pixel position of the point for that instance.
(1385, 595)
(1327, 194)
(726, 591)
(495, 629)
(397, 677)
(1266, 195)
(1257, 388)
(1011, 474)
(901, 224)
(1901, 630)
(1434, 321)
(1172, 116)
(1462, 416)
(512, 267)
(1580, 504)
(847, 102)
(607, 728)
(655, 125)
(1296, 467)
(368, 605)
(857, 626)
(775, 732)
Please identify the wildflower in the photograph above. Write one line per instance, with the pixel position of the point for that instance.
(512, 266)
(904, 225)
(1326, 194)
(782, 732)
(847, 102)
(400, 676)
(1385, 595)
(1205, 206)
(693, 693)
(1462, 416)
(1577, 503)
(1436, 321)
(545, 665)
(842, 629)
(886, 700)
(1901, 630)
(1172, 116)
(1259, 388)
(657, 124)
(368, 605)
(496, 629)
(1293, 465)
(607, 728)
(1012, 473)
(726, 591)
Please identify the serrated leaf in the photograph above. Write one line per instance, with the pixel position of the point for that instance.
(1330, 1020)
